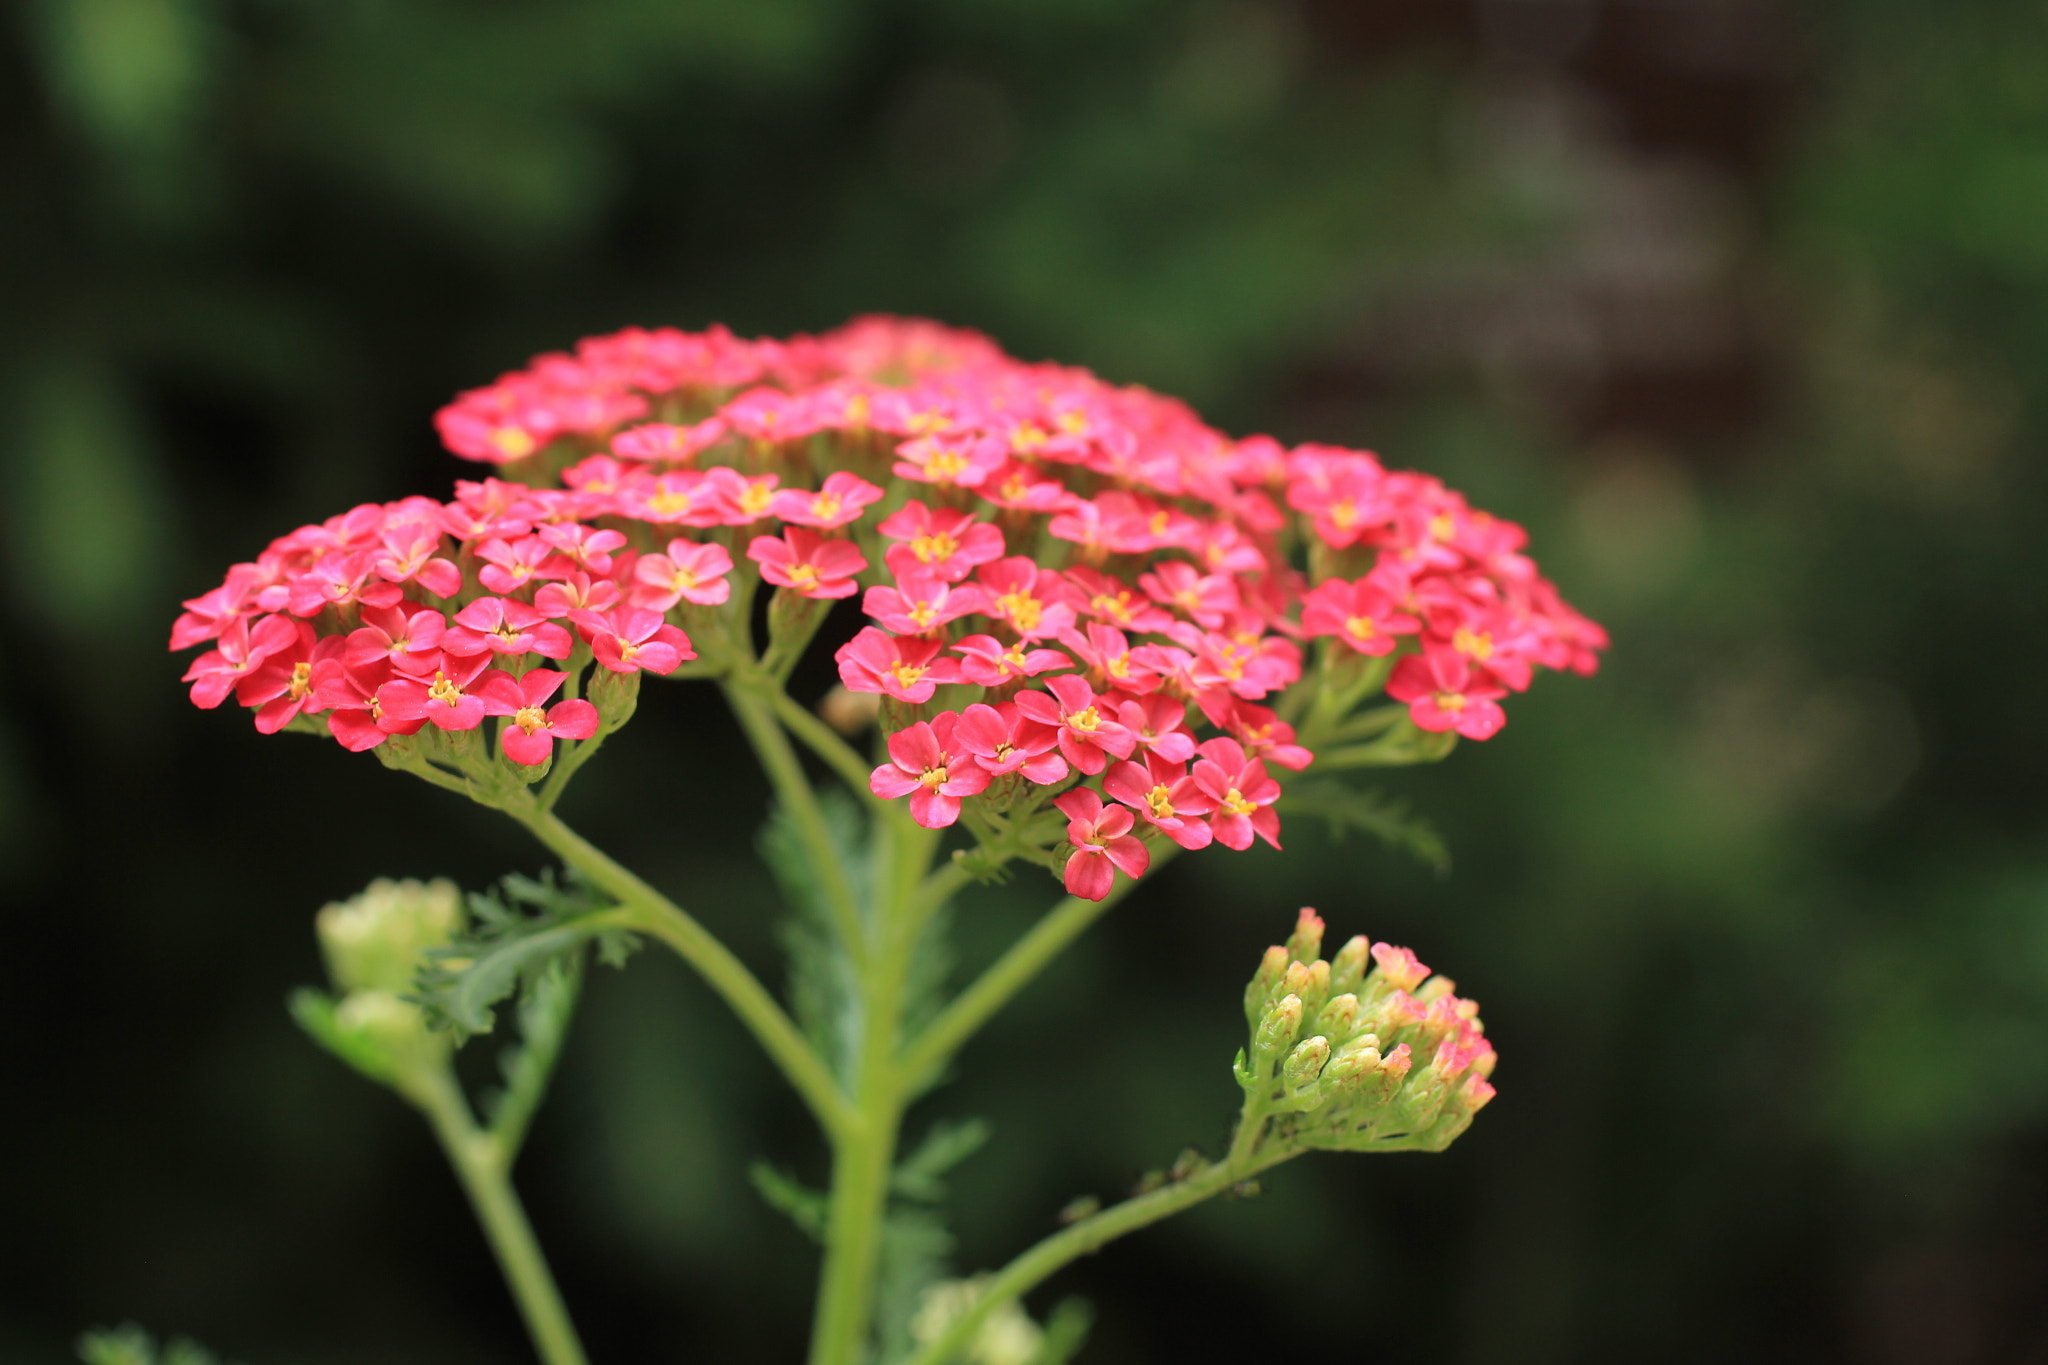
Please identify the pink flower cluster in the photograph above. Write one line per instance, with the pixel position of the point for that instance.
(1106, 582)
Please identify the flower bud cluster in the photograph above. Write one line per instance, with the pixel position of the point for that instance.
(1110, 593)
(374, 944)
(1365, 1051)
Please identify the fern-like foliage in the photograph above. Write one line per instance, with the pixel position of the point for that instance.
(516, 934)
(130, 1345)
(1386, 818)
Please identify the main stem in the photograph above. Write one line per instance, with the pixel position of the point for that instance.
(479, 1159)
(863, 1153)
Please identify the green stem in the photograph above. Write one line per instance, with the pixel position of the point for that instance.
(793, 789)
(480, 1161)
(1028, 1270)
(862, 1154)
(725, 973)
(825, 742)
(1025, 958)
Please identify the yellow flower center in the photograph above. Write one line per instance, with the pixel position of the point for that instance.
(857, 410)
(1084, 720)
(668, 502)
(934, 777)
(1022, 608)
(445, 690)
(514, 443)
(529, 718)
(825, 506)
(1359, 627)
(1161, 807)
(1344, 513)
(907, 674)
(946, 464)
(1477, 644)
(1234, 802)
(302, 679)
(802, 575)
(1453, 702)
(1442, 527)
(1028, 437)
(931, 549)
(754, 501)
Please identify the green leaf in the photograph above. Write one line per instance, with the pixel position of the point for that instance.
(802, 1205)
(823, 987)
(1385, 818)
(544, 1014)
(920, 1175)
(516, 933)
(130, 1345)
(915, 1255)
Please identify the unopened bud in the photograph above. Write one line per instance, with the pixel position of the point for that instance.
(1435, 988)
(1357, 1058)
(1339, 1018)
(1306, 943)
(1271, 967)
(1306, 1062)
(1317, 989)
(373, 941)
(850, 713)
(1347, 969)
(1295, 979)
(1475, 1094)
(1277, 1029)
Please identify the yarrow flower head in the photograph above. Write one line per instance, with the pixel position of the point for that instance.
(1096, 625)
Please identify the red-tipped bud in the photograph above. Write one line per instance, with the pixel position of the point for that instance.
(1399, 966)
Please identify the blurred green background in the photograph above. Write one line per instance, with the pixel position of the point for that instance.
(1740, 305)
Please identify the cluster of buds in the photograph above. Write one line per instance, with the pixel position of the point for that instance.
(1362, 1052)
(374, 943)
(1089, 612)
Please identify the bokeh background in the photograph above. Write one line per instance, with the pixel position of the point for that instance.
(1740, 305)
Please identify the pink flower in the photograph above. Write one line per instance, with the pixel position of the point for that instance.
(744, 500)
(767, 414)
(1113, 602)
(500, 625)
(843, 499)
(1402, 969)
(946, 542)
(411, 643)
(629, 639)
(1155, 723)
(991, 663)
(1241, 792)
(1344, 491)
(1441, 695)
(409, 555)
(1489, 638)
(921, 603)
(578, 592)
(1019, 487)
(1111, 661)
(582, 546)
(1005, 740)
(511, 565)
(688, 572)
(660, 442)
(355, 716)
(453, 699)
(1165, 795)
(1102, 843)
(925, 765)
(962, 458)
(238, 652)
(206, 616)
(805, 562)
(685, 497)
(340, 580)
(1362, 614)
(904, 667)
(530, 735)
(283, 686)
(1262, 733)
(1024, 597)
(1088, 737)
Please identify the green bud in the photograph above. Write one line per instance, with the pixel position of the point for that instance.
(1317, 988)
(1294, 980)
(615, 695)
(1271, 967)
(1306, 943)
(373, 941)
(1356, 1059)
(1277, 1029)
(1347, 969)
(1435, 987)
(1339, 1018)
(1305, 1063)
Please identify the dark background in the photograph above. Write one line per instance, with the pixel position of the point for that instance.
(1738, 306)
